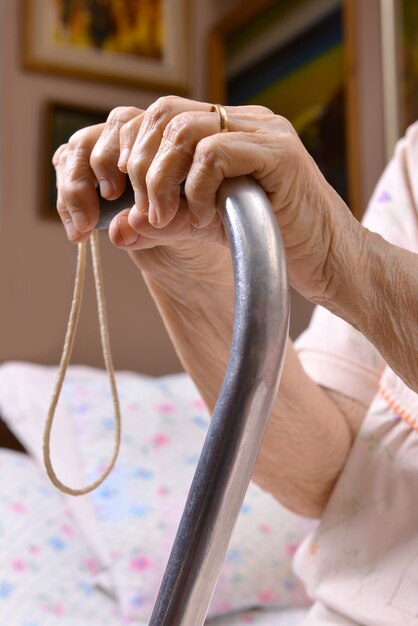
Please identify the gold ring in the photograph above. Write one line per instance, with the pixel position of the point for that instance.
(223, 117)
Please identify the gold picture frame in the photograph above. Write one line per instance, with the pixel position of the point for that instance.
(109, 41)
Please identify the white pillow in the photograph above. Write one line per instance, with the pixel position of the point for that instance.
(138, 508)
(47, 572)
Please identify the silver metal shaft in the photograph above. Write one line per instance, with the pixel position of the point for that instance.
(242, 410)
(241, 413)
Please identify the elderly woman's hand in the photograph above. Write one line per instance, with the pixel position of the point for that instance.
(332, 259)
(177, 139)
(177, 243)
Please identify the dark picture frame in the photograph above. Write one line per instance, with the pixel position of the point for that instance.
(61, 120)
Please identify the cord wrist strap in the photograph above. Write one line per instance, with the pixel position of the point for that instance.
(65, 360)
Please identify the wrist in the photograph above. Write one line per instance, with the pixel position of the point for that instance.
(196, 303)
(375, 289)
(353, 257)
(188, 262)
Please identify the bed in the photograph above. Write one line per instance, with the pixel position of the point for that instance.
(99, 559)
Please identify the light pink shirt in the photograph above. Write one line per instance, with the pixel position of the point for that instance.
(361, 564)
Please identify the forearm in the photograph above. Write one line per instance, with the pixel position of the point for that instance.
(307, 439)
(197, 309)
(375, 289)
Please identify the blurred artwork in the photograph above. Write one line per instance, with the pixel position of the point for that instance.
(134, 42)
(129, 26)
(408, 49)
(290, 58)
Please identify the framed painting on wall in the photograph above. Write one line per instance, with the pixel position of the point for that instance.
(60, 122)
(297, 58)
(399, 21)
(408, 24)
(134, 42)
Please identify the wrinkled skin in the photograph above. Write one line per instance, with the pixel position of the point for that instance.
(176, 139)
(180, 246)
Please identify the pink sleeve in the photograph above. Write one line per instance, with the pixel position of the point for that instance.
(332, 352)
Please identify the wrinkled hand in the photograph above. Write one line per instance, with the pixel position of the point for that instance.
(175, 140)
(179, 244)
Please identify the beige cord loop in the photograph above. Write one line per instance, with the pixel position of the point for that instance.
(223, 117)
(65, 360)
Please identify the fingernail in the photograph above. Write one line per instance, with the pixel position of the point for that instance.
(141, 201)
(194, 220)
(123, 158)
(153, 216)
(106, 187)
(80, 220)
(128, 235)
(134, 214)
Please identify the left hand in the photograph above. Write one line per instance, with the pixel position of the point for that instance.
(157, 148)
(177, 139)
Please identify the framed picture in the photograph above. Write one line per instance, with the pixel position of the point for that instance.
(297, 57)
(133, 42)
(399, 28)
(61, 121)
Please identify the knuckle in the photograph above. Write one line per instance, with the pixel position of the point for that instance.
(265, 110)
(97, 160)
(291, 146)
(73, 191)
(128, 131)
(158, 109)
(262, 110)
(178, 129)
(58, 155)
(206, 152)
(79, 139)
(156, 178)
(149, 176)
(284, 124)
(101, 156)
(63, 213)
(66, 191)
(164, 103)
(206, 173)
(120, 115)
(84, 139)
(161, 109)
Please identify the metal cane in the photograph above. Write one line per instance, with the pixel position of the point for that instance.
(261, 319)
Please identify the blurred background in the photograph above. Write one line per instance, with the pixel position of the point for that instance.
(344, 71)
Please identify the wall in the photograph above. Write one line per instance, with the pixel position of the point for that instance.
(37, 263)
(372, 150)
